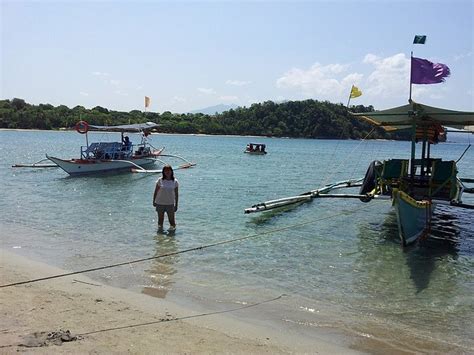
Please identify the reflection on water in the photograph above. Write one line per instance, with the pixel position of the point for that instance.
(427, 277)
(421, 258)
(162, 269)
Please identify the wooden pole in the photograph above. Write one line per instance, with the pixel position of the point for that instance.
(411, 69)
(349, 100)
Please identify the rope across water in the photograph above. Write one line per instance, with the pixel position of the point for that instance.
(234, 240)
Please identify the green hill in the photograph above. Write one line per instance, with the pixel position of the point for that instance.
(297, 119)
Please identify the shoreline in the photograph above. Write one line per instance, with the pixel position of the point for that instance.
(112, 319)
(62, 130)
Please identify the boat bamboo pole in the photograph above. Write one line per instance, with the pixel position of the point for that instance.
(463, 205)
(349, 99)
(412, 160)
(411, 71)
(36, 165)
(307, 196)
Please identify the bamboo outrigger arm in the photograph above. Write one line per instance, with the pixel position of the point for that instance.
(308, 196)
(187, 164)
(38, 164)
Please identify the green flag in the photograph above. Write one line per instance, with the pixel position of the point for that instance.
(419, 39)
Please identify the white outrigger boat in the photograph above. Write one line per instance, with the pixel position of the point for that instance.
(102, 157)
(415, 186)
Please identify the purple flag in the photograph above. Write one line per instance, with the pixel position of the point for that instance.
(425, 72)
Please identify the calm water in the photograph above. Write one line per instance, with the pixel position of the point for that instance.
(338, 262)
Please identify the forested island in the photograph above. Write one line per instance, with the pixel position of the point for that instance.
(296, 119)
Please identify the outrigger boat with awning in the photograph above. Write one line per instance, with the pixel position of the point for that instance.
(102, 157)
(415, 185)
(255, 149)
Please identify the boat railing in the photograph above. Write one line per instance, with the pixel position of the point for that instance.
(141, 149)
(106, 151)
(392, 174)
(442, 182)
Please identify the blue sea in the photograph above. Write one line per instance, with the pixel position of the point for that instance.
(338, 263)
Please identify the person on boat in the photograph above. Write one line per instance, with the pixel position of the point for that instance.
(127, 145)
(165, 197)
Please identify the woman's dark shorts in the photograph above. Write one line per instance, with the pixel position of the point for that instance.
(165, 208)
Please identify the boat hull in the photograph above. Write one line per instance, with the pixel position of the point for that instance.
(255, 153)
(413, 217)
(83, 166)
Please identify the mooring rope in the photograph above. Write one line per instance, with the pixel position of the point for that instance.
(164, 320)
(331, 175)
(183, 317)
(252, 236)
(469, 146)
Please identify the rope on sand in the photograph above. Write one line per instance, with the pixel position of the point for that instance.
(184, 317)
(61, 336)
(252, 236)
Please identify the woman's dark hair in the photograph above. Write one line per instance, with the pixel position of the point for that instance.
(163, 172)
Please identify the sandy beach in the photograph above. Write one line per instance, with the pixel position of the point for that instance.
(75, 314)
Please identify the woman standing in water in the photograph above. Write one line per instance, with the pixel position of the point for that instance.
(165, 198)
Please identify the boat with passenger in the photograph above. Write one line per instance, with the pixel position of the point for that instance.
(116, 156)
(255, 148)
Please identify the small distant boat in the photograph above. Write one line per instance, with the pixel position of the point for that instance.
(101, 157)
(255, 148)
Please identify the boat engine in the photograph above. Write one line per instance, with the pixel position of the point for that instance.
(370, 180)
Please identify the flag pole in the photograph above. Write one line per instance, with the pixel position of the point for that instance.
(411, 73)
(350, 93)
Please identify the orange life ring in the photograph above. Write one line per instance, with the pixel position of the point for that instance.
(82, 127)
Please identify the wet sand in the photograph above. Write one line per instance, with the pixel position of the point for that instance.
(75, 314)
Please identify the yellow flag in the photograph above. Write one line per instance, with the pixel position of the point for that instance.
(147, 101)
(355, 92)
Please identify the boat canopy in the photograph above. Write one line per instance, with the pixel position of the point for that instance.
(403, 117)
(139, 127)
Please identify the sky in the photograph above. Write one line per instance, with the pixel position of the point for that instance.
(188, 55)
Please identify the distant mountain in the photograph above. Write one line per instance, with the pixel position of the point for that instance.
(213, 109)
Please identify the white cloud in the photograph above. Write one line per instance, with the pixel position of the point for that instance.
(370, 58)
(237, 82)
(462, 56)
(82, 93)
(114, 82)
(390, 79)
(121, 93)
(321, 82)
(229, 98)
(206, 91)
(98, 73)
(390, 75)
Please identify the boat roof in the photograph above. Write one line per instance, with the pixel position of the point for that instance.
(256, 143)
(138, 127)
(403, 117)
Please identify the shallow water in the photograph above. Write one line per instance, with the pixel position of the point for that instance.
(338, 262)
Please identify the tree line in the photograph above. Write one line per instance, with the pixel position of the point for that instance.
(296, 119)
